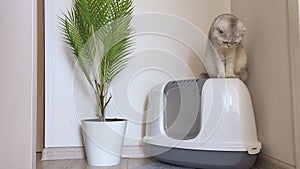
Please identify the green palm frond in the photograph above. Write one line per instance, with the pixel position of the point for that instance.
(118, 44)
(100, 37)
(100, 15)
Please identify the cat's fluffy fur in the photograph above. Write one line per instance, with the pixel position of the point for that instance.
(229, 57)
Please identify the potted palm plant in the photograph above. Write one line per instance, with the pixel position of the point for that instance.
(99, 35)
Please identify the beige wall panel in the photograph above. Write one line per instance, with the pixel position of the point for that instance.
(267, 44)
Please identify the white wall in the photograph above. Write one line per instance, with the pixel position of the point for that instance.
(267, 44)
(63, 106)
(199, 12)
(17, 87)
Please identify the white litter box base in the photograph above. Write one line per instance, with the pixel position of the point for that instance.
(202, 158)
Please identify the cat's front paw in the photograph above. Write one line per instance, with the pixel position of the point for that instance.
(221, 75)
(231, 75)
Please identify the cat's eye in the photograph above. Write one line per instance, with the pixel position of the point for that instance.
(225, 42)
(221, 31)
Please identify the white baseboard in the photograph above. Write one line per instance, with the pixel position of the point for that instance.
(135, 152)
(61, 153)
(266, 162)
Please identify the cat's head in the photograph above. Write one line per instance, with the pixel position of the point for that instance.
(227, 31)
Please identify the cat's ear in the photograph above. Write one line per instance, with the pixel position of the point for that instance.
(222, 29)
(242, 28)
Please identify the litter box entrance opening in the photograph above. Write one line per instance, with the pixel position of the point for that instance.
(182, 111)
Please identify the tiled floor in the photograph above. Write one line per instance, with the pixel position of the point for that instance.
(82, 164)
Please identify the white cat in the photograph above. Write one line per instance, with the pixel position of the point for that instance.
(226, 50)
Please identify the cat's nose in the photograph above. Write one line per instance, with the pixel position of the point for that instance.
(229, 45)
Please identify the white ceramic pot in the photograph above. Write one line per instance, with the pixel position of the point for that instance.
(103, 141)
